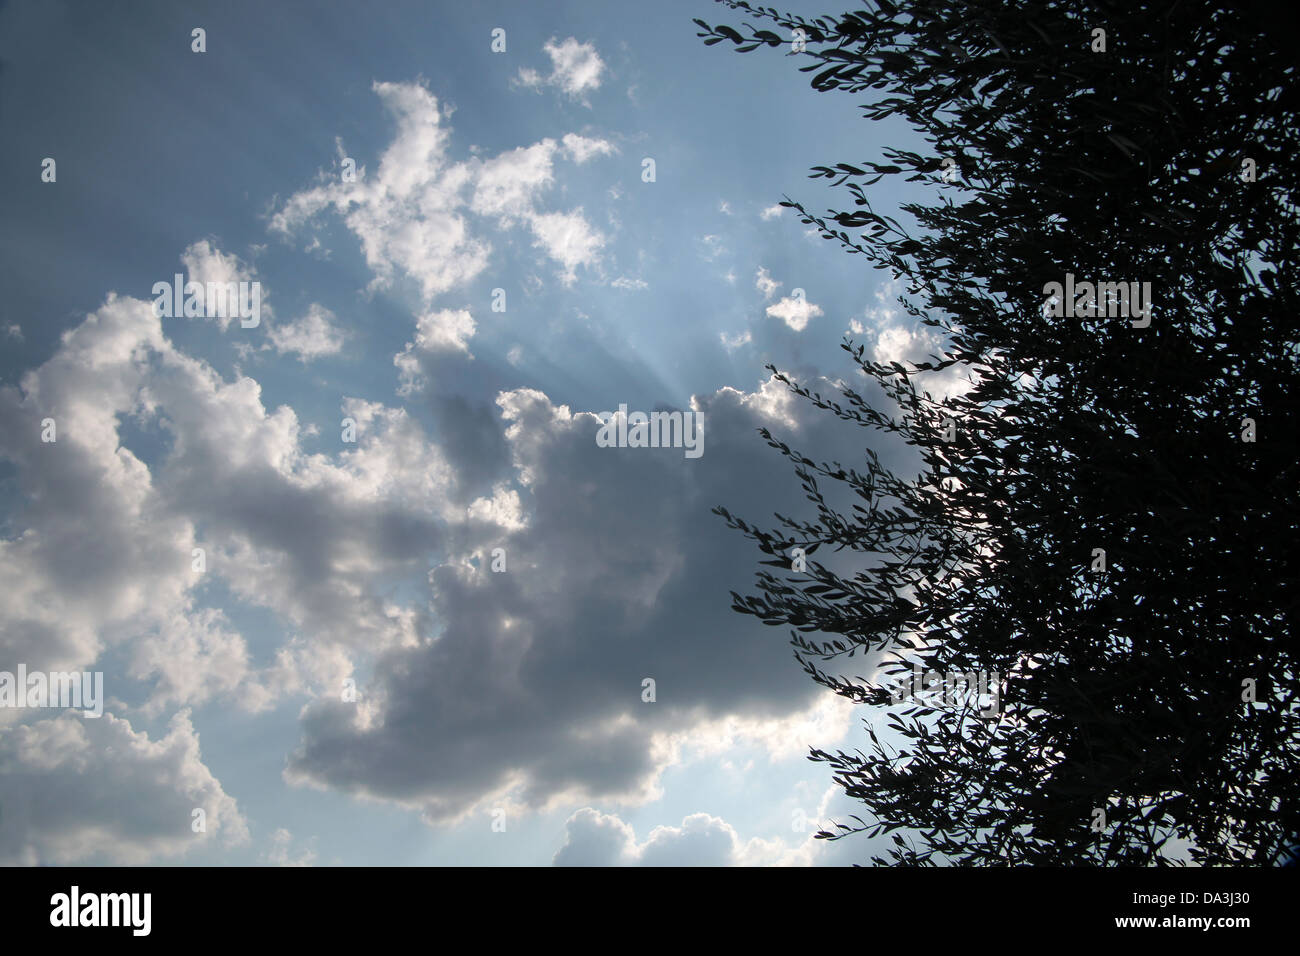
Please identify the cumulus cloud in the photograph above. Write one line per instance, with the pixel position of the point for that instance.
(205, 263)
(772, 212)
(900, 338)
(315, 334)
(87, 511)
(599, 839)
(581, 148)
(576, 68)
(83, 790)
(445, 330)
(532, 688)
(794, 311)
(593, 838)
(765, 284)
(414, 217)
(523, 685)
(279, 853)
(568, 239)
(506, 185)
(407, 216)
(317, 538)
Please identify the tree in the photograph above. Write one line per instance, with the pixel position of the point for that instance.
(1106, 519)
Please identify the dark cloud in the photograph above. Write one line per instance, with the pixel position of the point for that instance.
(533, 683)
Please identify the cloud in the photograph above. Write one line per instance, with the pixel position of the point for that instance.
(575, 68)
(81, 790)
(598, 839)
(445, 330)
(506, 185)
(87, 510)
(531, 690)
(205, 263)
(414, 216)
(317, 538)
(902, 339)
(312, 336)
(772, 212)
(580, 148)
(765, 283)
(278, 853)
(794, 312)
(733, 342)
(569, 240)
(713, 247)
(622, 282)
(408, 215)
(523, 685)
(593, 838)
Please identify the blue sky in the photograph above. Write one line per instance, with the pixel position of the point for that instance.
(483, 697)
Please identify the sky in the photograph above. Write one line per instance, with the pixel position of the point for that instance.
(276, 541)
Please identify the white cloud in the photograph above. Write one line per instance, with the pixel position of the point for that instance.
(902, 339)
(331, 542)
(445, 330)
(568, 239)
(623, 282)
(83, 790)
(772, 212)
(575, 68)
(317, 538)
(193, 659)
(507, 185)
(205, 263)
(593, 838)
(411, 217)
(733, 342)
(581, 148)
(407, 215)
(279, 852)
(312, 336)
(87, 510)
(794, 312)
(765, 283)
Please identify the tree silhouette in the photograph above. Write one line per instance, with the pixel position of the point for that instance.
(1106, 518)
